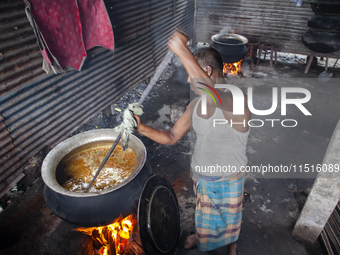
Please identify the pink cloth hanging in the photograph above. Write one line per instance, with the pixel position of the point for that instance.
(65, 29)
(97, 28)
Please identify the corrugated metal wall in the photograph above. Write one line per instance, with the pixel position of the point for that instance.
(276, 21)
(19, 52)
(166, 18)
(46, 110)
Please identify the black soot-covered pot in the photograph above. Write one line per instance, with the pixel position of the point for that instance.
(232, 47)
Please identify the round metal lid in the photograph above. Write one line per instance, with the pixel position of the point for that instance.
(158, 217)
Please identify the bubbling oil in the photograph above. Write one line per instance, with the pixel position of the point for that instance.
(76, 172)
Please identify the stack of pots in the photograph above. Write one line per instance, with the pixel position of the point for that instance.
(323, 35)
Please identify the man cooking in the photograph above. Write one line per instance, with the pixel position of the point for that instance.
(218, 195)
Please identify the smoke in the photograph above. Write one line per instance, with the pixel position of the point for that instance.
(226, 30)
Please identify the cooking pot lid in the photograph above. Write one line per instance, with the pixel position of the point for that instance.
(158, 217)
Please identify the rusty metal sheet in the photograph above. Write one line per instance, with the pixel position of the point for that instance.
(11, 164)
(38, 117)
(3, 130)
(166, 20)
(9, 161)
(6, 141)
(45, 110)
(20, 58)
(10, 182)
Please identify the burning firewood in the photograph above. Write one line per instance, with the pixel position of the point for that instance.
(136, 248)
(231, 69)
(112, 245)
(113, 239)
(128, 252)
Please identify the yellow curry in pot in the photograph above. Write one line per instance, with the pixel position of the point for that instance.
(78, 170)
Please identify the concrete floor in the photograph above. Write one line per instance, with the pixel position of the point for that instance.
(272, 205)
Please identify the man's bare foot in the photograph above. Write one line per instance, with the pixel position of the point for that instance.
(190, 241)
(231, 250)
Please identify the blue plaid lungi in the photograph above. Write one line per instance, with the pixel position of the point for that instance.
(218, 211)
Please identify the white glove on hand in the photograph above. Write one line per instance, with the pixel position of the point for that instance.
(129, 124)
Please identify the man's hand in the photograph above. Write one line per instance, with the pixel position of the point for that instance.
(139, 123)
(178, 43)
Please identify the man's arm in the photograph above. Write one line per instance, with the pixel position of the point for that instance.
(177, 44)
(170, 137)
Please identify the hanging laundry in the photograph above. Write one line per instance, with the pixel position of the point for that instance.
(96, 25)
(65, 29)
(298, 2)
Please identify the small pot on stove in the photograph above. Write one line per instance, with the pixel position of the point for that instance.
(232, 47)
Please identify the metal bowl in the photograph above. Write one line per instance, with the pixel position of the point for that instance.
(100, 208)
(219, 38)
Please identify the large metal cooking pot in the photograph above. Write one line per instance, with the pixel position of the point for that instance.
(232, 47)
(327, 7)
(321, 41)
(94, 209)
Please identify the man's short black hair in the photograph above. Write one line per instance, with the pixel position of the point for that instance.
(208, 56)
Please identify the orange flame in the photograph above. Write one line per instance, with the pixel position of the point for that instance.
(232, 68)
(114, 236)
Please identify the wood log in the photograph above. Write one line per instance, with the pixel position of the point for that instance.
(136, 237)
(128, 252)
(112, 246)
(138, 250)
(96, 244)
